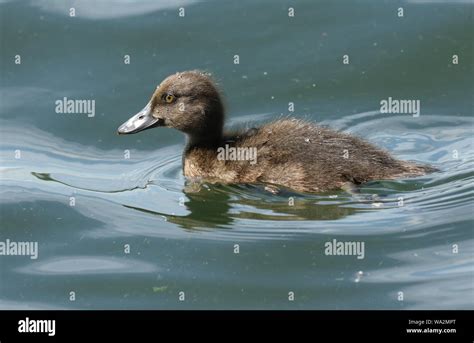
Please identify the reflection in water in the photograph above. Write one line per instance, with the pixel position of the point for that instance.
(295, 209)
(254, 203)
(203, 213)
(221, 208)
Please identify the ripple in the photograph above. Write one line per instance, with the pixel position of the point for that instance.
(80, 265)
(27, 306)
(150, 186)
(433, 263)
(110, 9)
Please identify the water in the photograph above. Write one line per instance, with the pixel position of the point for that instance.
(418, 233)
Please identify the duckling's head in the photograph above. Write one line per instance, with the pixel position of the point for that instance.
(187, 101)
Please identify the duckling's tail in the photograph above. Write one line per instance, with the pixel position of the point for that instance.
(411, 169)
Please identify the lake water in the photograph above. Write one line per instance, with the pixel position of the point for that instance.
(120, 233)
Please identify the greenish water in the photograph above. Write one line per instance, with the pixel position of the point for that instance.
(185, 242)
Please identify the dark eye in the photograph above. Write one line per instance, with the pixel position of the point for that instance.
(169, 98)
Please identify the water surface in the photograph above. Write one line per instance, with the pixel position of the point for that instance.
(418, 252)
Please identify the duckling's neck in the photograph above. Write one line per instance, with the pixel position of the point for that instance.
(209, 141)
(210, 135)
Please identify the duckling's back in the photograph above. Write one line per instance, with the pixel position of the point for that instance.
(310, 158)
(299, 155)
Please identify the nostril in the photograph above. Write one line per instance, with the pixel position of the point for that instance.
(141, 117)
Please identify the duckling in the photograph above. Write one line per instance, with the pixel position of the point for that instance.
(290, 152)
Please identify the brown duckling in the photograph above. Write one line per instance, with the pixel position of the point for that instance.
(288, 152)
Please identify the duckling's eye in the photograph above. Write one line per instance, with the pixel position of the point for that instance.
(169, 98)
